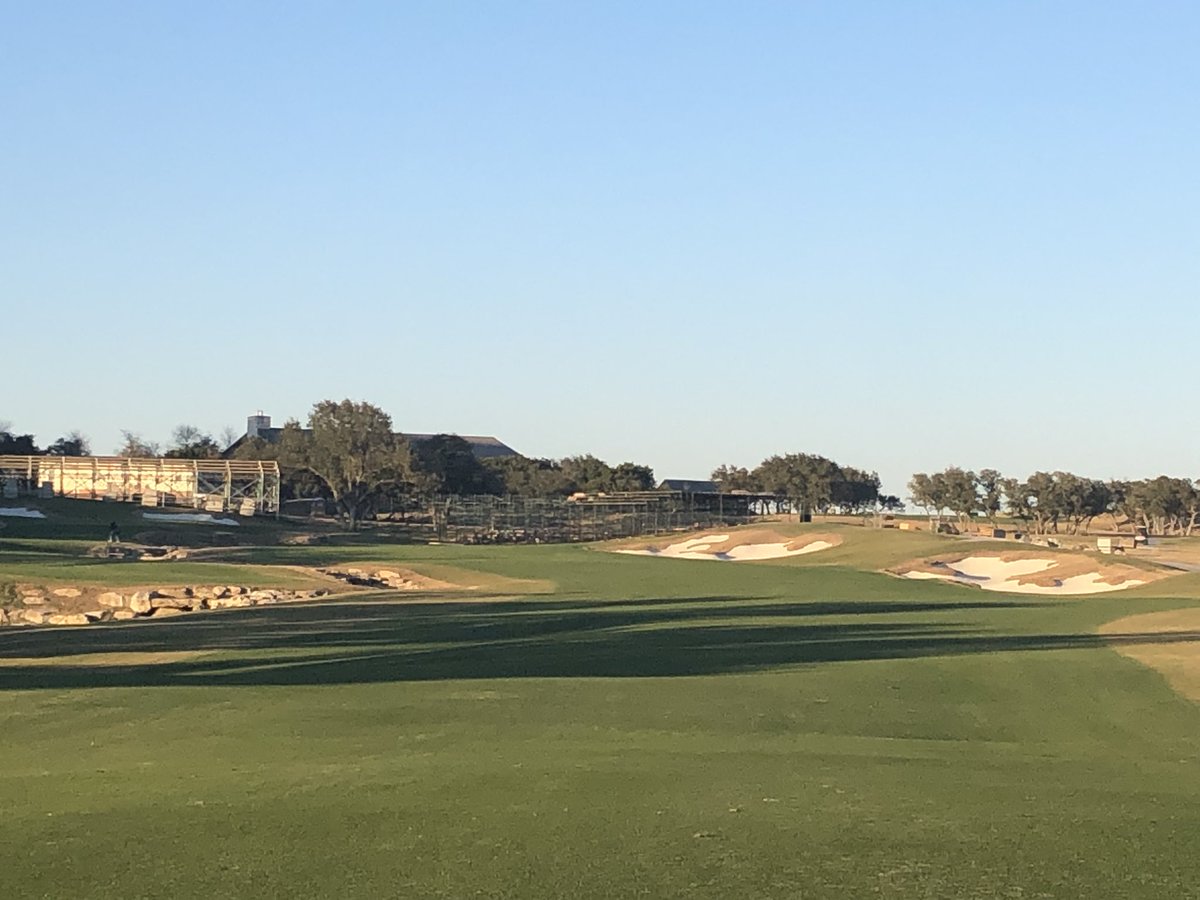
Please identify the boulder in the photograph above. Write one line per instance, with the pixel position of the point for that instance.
(33, 598)
(264, 596)
(65, 619)
(140, 603)
(166, 612)
(161, 601)
(230, 602)
(175, 593)
(98, 615)
(219, 590)
(111, 599)
(33, 616)
(389, 575)
(121, 615)
(3, 617)
(67, 592)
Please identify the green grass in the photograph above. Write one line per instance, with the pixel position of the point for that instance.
(652, 728)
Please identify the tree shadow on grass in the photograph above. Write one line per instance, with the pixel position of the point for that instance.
(366, 623)
(373, 642)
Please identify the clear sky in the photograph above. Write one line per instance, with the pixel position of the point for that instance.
(903, 235)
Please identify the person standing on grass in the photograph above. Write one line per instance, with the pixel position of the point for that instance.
(114, 533)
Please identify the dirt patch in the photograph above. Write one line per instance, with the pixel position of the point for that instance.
(107, 660)
(1175, 655)
(139, 552)
(303, 539)
(386, 577)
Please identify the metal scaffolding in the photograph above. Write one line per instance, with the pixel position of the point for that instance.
(220, 485)
(583, 517)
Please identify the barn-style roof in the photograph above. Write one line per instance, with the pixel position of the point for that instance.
(483, 446)
(689, 486)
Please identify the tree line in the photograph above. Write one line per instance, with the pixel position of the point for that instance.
(1055, 502)
(11, 443)
(809, 483)
(348, 452)
(187, 442)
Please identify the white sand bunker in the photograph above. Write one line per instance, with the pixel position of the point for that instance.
(723, 548)
(20, 512)
(1025, 576)
(200, 518)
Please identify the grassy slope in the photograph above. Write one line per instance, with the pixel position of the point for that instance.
(655, 728)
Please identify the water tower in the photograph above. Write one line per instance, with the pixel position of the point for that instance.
(257, 423)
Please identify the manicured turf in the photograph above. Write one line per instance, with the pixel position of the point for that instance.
(652, 728)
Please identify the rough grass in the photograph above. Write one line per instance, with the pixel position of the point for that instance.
(1171, 646)
(653, 727)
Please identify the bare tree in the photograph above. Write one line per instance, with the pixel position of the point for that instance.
(132, 445)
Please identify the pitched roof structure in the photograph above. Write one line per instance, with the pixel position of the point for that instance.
(689, 486)
(483, 446)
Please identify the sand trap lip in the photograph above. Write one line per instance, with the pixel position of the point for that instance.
(20, 512)
(994, 573)
(198, 518)
(704, 547)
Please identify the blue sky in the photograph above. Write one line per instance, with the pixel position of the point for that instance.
(903, 235)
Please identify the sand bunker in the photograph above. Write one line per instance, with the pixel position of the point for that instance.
(1012, 574)
(742, 547)
(199, 518)
(1171, 646)
(20, 512)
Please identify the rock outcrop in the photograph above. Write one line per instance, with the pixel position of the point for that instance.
(140, 602)
(78, 606)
